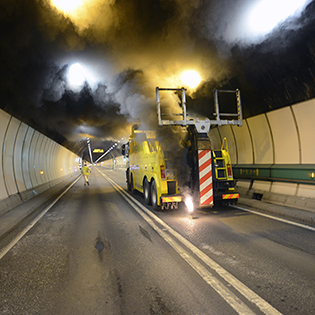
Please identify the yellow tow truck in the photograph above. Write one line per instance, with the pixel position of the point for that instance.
(148, 171)
(210, 180)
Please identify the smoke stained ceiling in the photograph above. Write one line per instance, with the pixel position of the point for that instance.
(125, 48)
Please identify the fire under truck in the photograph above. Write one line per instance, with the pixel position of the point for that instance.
(211, 177)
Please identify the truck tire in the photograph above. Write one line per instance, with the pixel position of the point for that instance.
(147, 191)
(131, 184)
(128, 180)
(154, 196)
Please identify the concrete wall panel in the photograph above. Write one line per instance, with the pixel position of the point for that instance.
(244, 145)
(52, 160)
(47, 165)
(44, 162)
(304, 114)
(262, 142)
(57, 168)
(262, 185)
(285, 137)
(8, 150)
(60, 163)
(25, 158)
(24, 153)
(306, 191)
(66, 162)
(244, 183)
(38, 159)
(31, 159)
(284, 188)
(4, 122)
(18, 154)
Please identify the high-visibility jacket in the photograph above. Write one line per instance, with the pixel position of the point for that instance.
(85, 170)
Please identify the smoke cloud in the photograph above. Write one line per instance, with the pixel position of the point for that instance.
(130, 47)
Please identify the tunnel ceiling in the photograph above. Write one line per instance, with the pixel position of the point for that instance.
(91, 71)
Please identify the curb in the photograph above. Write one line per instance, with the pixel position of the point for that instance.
(293, 214)
(11, 219)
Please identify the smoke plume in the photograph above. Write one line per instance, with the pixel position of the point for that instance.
(130, 47)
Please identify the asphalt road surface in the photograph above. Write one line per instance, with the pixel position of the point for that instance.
(99, 250)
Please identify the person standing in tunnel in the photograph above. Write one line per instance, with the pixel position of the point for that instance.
(86, 172)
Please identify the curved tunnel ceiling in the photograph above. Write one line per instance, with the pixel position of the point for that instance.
(124, 49)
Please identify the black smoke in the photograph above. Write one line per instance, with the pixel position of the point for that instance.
(134, 46)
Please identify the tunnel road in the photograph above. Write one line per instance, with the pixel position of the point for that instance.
(99, 250)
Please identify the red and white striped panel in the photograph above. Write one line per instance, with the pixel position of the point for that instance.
(205, 177)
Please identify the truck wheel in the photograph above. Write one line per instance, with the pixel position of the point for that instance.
(128, 182)
(131, 184)
(154, 196)
(147, 192)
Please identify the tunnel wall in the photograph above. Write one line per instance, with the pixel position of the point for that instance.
(283, 136)
(29, 162)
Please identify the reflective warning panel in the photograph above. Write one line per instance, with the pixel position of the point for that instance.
(172, 199)
(230, 196)
(205, 178)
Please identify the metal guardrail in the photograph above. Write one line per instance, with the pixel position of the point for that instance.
(289, 173)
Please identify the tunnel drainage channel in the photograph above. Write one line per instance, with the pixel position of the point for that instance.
(257, 196)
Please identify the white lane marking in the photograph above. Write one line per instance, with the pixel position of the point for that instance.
(276, 218)
(5, 250)
(234, 302)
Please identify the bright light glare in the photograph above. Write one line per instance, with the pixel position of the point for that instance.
(67, 5)
(76, 75)
(189, 204)
(267, 14)
(191, 79)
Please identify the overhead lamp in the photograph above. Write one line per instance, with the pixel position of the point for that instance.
(191, 78)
